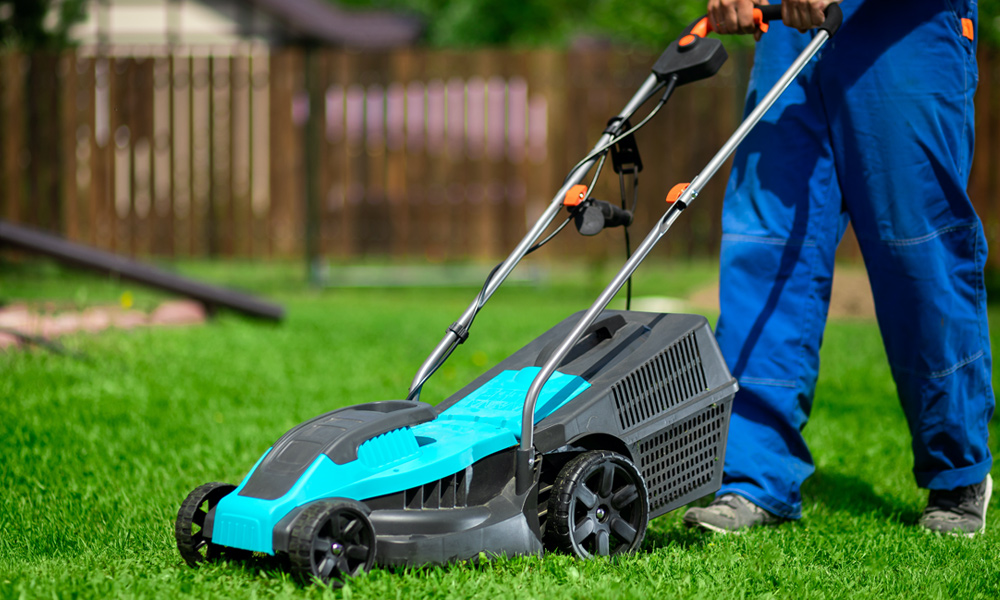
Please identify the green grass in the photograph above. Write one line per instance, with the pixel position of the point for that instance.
(97, 452)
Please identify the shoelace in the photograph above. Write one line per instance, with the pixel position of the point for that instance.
(731, 500)
(964, 499)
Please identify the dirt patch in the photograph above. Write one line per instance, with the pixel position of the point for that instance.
(851, 297)
(20, 323)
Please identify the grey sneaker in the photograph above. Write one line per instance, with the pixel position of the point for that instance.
(730, 513)
(961, 511)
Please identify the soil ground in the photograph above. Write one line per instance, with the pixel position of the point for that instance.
(851, 297)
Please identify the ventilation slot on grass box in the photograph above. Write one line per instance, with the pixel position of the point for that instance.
(671, 377)
(684, 458)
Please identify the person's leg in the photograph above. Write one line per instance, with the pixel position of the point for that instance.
(782, 222)
(903, 136)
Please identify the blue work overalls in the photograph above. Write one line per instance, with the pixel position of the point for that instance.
(877, 130)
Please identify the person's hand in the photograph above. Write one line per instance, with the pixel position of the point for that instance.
(733, 17)
(736, 16)
(804, 14)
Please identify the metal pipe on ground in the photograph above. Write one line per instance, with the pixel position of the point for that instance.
(211, 296)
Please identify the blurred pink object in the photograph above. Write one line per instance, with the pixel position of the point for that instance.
(21, 318)
(178, 312)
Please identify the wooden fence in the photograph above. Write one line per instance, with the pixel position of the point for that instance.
(431, 154)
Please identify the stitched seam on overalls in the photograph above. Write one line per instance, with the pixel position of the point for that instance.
(771, 382)
(772, 241)
(945, 372)
(927, 237)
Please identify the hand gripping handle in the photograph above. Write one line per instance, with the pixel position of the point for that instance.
(834, 16)
(762, 15)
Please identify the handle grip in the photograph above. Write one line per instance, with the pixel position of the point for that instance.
(770, 12)
(834, 16)
(595, 215)
(762, 16)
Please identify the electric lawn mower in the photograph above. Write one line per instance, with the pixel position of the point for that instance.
(572, 443)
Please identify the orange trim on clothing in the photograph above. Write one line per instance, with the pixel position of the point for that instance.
(969, 29)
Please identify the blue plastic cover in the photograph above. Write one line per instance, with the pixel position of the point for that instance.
(485, 422)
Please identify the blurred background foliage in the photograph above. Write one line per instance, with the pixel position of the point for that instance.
(43, 24)
(468, 23)
(39, 24)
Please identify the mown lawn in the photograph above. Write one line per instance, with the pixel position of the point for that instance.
(98, 448)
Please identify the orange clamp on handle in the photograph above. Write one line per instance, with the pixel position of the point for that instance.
(575, 195)
(758, 20)
(676, 191)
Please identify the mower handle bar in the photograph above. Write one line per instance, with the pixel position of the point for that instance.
(526, 447)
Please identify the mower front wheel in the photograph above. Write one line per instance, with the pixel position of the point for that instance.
(598, 506)
(189, 529)
(332, 540)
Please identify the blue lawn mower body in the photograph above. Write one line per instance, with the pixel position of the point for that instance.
(572, 443)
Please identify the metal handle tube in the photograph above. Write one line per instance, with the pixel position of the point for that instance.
(451, 339)
(528, 413)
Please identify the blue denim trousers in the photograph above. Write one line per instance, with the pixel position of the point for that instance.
(878, 132)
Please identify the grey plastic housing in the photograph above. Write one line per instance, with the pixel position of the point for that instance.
(660, 393)
(337, 434)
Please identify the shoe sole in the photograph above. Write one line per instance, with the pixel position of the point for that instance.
(716, 529)
(722, 530)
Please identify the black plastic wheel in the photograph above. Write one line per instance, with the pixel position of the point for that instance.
(194, 547)
(598, 506)
(332, 540)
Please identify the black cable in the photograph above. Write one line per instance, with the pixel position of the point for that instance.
(667, 92)
(628, 241)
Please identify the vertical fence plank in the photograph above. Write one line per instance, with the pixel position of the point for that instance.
(161, 201)
(401, 201)
(457, 156)
(82, 135)
(66, 145)
(141, 154)
(286, 151)
(375, 226)
(240, 154)
(180, 153)
(200, 157)
(336, 225)
(12, 74)
(260, 152)
(101, 219)
(435, 178)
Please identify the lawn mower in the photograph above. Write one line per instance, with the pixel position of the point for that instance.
(573, 443)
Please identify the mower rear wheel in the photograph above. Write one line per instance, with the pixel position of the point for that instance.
(189, 529)
(332, 540)
(598, 506)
